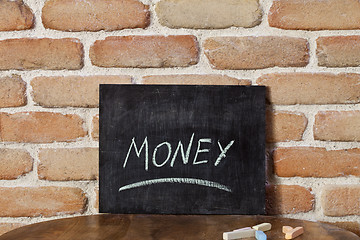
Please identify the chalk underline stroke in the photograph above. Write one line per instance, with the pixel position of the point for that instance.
(194, 181)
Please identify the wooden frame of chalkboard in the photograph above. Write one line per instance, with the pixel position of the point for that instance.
(181, 149)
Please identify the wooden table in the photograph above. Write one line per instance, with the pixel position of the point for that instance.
(170, 227)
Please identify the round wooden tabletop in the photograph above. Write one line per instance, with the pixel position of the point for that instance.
(170, 227)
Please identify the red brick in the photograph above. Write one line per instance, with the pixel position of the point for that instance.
(208, 14)
(282, 126)
(256, 52)
(339, 51)
(95, 15)
(316, 162)
(311, 88)
(288, 199)
(40, 127)
(95, 128)
(337, 126)
(73, 91)
(12, 91)
(64, 164)
(7, 227)
(42, 53)
(41, 201)
(315, 14)
(341, 200)
(193, 79)
(14, 163)
(145, 51)
(15, 15)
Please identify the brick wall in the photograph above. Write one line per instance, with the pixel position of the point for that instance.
(53, 55)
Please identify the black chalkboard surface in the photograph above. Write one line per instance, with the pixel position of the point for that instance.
(182, 149)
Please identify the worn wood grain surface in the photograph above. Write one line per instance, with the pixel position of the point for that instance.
(172, 227)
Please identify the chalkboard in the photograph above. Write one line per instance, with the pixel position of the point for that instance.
(182, 149)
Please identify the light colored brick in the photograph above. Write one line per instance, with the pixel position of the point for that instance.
(341, 200)
(208, 14)
(316, 162)
(311, 88)
(15, 15)
(64, 164)
(96, 204)
(338, 51)
(350, 226)
(73, 91)
(337, 126)
(12, 91)
(14, 163)
(282, 126)
(7, 227)
(41, 201)
(315, 14)
(42, 53)
(194, 79)
(256, 52)
(95, 128)
(95, 15)
(40, 127)
(145, 51)
(288, 199)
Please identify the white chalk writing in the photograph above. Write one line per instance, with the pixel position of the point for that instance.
(180, 148)
(185, 157)
(198, 150)
(194, 181)
(167, 158)
(145, 143)
(223, 151)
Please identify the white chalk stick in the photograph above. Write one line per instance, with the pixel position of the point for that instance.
(262, 227)
(242, 229)
(239, 234)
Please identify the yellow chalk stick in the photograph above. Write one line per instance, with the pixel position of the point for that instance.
(286, 229)
(262, 227)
